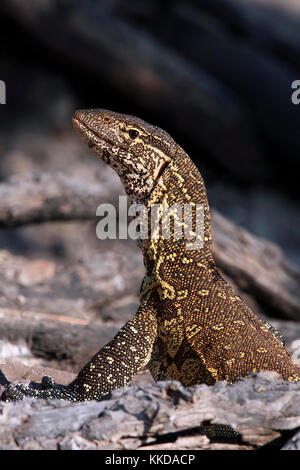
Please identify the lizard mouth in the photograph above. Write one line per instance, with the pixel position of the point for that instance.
(95, 142)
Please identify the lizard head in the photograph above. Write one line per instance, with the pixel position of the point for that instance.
(137, 151)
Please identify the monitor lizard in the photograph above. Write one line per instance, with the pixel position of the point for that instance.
(191, 325)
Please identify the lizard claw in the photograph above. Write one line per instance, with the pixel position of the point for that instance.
(49, 389)
(12, 393)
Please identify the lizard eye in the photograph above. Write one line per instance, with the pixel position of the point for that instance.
(133, 134)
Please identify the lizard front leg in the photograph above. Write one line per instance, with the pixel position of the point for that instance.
(114, 366)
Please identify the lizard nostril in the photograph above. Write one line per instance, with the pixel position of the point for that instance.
(106, 119)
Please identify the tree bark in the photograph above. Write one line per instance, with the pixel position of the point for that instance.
(164, 416)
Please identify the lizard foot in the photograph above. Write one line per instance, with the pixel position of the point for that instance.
(49, 390)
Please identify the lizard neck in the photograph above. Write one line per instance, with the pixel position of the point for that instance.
(180, 186)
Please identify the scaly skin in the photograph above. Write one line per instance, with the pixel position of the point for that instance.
(191, 326)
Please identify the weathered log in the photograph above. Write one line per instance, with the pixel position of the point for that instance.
(68, 340)
(98, 284)
(42, 197)
(262, 410)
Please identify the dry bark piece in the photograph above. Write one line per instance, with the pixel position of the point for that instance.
(261, 408)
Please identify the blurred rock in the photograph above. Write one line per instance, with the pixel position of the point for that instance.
(77, 290)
